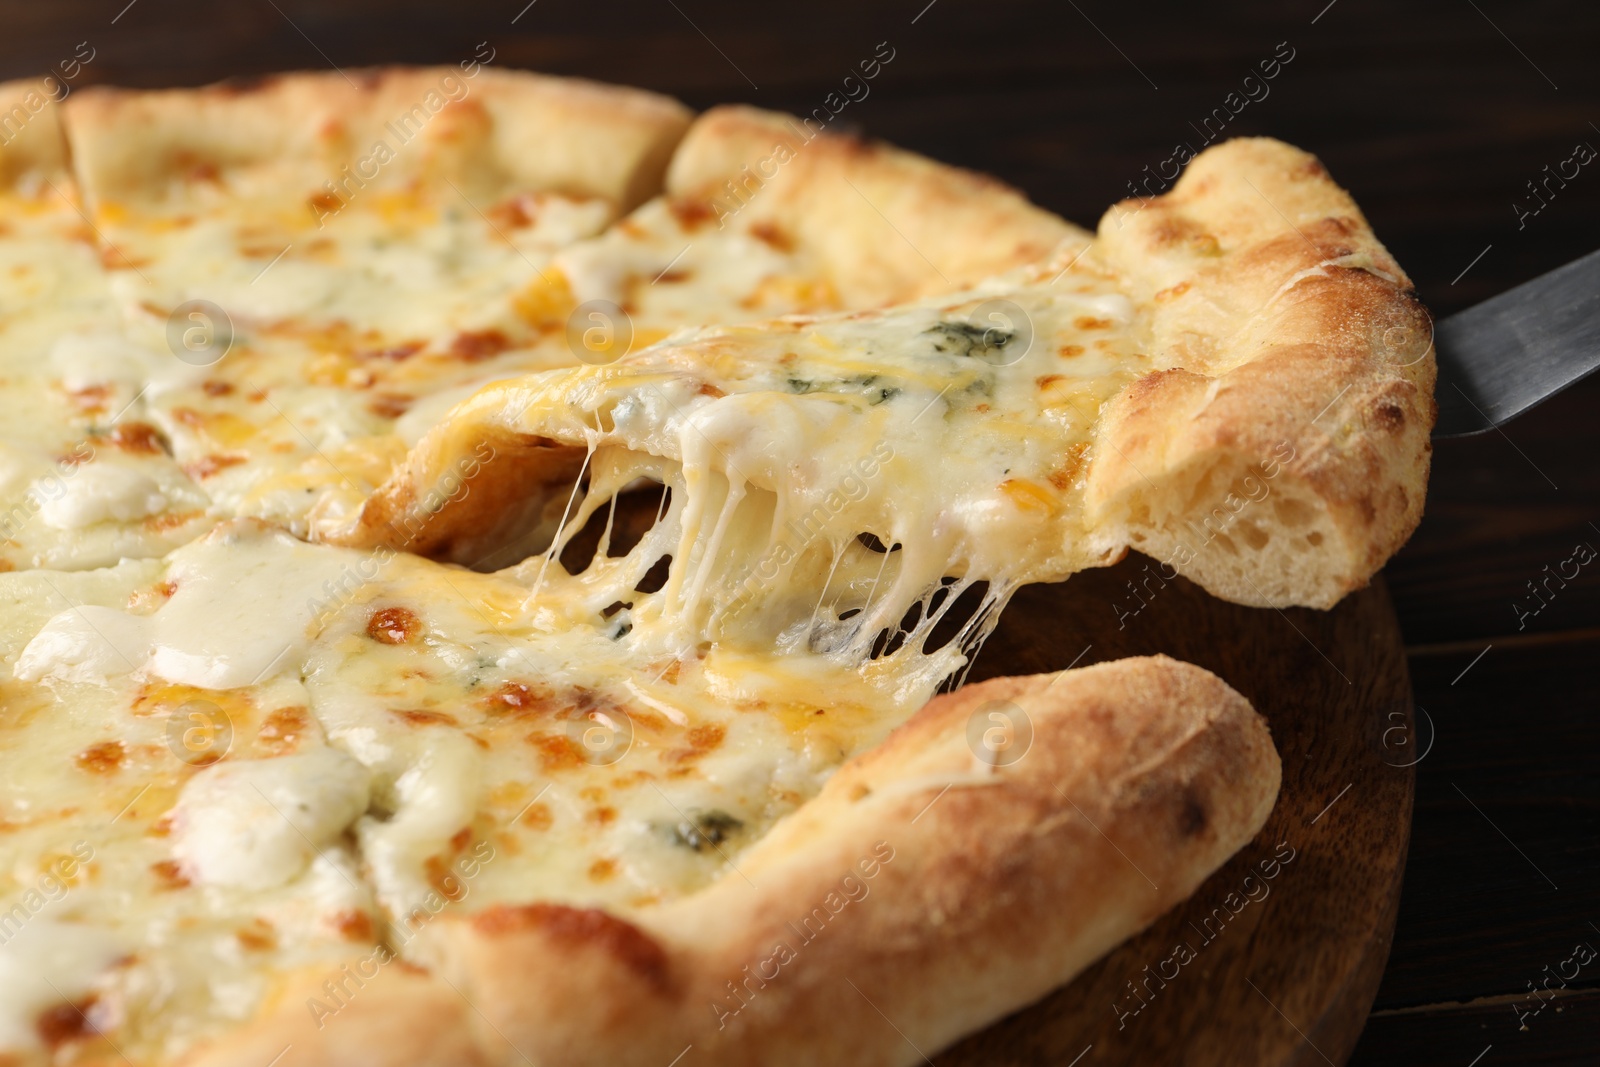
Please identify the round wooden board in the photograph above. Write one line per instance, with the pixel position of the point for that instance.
(1284, 970)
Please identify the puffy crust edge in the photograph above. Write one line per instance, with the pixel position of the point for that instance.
(888, 225)
(941, 892)
(1305, 374)
(31, 140)
(504, 132)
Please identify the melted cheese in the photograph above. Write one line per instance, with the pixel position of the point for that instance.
(836, 483)
(86, 643)
(150, 891)
(102, 492)
(349, 334)
(244, 601)
(257, 824)
(400, 736)
(670, 269)
(71, 379)
(42, 962)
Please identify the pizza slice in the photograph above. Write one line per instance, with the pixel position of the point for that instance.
(299, 260)
(1234, 378)
(83, 481)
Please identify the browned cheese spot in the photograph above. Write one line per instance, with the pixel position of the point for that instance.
(257, 935)
(353, 925)
(692, 214)
(64, 1023)
(393, 626)
(771, 235)
(137, 438)
(169, 874)
(423, 717)
(282, 728)
(104, 758)
(476, 345)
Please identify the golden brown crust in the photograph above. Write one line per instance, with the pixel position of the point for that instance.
(492, 133)
(886, 224)
(31, 141)
(1286, 458)
(1282, 458)
(922, 887)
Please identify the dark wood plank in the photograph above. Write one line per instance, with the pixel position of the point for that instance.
(1290, 979)
(1497, 891)
(1495, 522)
(1561, 1034)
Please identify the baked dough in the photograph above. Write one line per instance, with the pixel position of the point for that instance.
(943, 910)
(1234, 378)
(285, 136)
(1261, 426)
(1299, 346)
(885, 225)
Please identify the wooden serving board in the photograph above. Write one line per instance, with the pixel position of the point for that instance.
(1284, 970)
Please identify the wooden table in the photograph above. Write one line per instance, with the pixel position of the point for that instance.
(1435, 113)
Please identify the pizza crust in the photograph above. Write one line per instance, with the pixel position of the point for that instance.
(1281, 458)
(1285, 458)
(922, 886)
(944, 908)
(887, 225)
(30, 121)
(989, 885)
(492, 133)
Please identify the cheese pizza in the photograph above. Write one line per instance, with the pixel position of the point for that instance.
(519, 545)
(296, 278)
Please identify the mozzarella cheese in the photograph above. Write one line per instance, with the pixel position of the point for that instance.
(81, 484)
(254, 756)
(160, 891)
(257, 824)
(41, 962)
(101, 492)
(835, 485)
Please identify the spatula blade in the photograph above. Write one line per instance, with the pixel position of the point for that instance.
(1503, 356)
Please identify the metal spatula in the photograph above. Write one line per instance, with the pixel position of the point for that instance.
(1505, 355)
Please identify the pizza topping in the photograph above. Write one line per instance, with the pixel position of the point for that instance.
(245, 600)
(247, 597)
(138, 438)
(85, 644)
(393, 625)
(431, 802)
(107, 757)
(98, 492)
(778, 471)
(706, 830)
(48, 964)
(255, 824)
